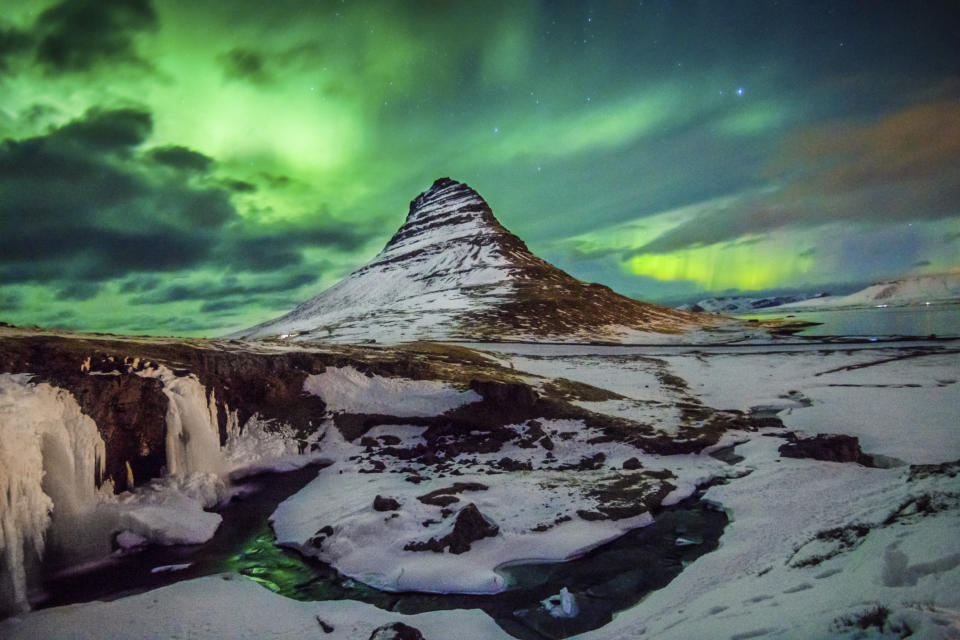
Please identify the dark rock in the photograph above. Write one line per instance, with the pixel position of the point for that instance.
(367, 441)
(632, 464)
(469, 526)
(445, 496)
(389, 440)
(546, 443)
(827, 447)
(385, 504)
(396, 631)
(509, 464)
(590, 515)
(326, 626)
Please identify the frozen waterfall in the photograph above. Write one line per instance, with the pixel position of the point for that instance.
(193, 437)
(51, 456)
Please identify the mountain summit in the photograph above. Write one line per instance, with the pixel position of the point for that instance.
(452, 271)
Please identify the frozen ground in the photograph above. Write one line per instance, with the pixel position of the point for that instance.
(230, 606)
(814, 549)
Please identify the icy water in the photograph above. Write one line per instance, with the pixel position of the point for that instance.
(606, 580)
(940, 320)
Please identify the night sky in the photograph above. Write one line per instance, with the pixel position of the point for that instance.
(195, 167)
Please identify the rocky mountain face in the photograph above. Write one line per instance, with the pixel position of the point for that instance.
(452, 271)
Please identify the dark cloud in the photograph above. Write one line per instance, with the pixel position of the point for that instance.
(12, 42)
(182, 158)
(76, 35)
(902, 167)
(921, 263)
(79, 291)
(807, 253)
(244, 64)
(950, 237)
(140, 283)
(108, 130)
(275, 181)
(239, 186)
(81, 200)
(213, 290)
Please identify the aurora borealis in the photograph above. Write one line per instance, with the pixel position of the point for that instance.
(191, 168)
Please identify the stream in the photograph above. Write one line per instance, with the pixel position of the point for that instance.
(606, 580)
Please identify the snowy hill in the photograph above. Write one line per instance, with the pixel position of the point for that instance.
(745, 304)
(909, 290)
(452, 271)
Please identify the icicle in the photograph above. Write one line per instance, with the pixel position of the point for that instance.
(50, 454)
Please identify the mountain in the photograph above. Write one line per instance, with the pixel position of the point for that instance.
(908, 290)
(746, 304)
(452, 271)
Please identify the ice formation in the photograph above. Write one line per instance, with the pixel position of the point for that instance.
(193, 439)
(51, 456)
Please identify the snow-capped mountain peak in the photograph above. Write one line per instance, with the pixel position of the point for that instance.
(452, 271)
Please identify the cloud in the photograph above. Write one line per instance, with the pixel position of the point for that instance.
(240, 186)
(244, 64)
(88, 202)
(902, 167)
(108, 130)
(12, 42)
(180, 157)
(79, 291)
(77, 35)
(229, 287)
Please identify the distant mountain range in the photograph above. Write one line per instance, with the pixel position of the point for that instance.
(908, 290)
(745, 304)
(905, 291)
(453, 272)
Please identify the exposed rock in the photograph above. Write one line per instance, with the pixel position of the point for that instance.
(509, 464)
(632, 464)
(396, 631)
(469, 527)
(827, 447)
(326, 626)
(385, 504)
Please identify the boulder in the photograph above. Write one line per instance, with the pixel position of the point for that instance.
(385, 504)
(827, 447)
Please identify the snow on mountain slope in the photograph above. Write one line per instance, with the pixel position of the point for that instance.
(452, 271)
(746, 304)
(910, 290)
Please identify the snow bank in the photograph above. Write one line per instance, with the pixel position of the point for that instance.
(772, 577)
(231, 607)
(349, 390)
(51, 455)
(170, 510)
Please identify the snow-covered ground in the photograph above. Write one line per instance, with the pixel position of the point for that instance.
(230, 606)
(813, 549)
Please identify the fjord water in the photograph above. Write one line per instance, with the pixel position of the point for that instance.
(941, 320)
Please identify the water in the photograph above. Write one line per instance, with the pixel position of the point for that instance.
(603, 581)
(940, 320)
